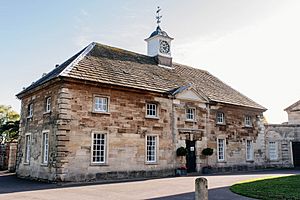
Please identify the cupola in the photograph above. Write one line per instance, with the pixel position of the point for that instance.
(159, 44)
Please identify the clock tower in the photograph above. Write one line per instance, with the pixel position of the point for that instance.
(159, 44)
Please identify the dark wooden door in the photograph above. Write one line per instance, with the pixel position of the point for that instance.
(296, 154)
(191, 156)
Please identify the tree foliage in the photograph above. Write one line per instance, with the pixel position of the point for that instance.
(9, 124)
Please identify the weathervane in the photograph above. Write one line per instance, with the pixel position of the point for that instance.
(158, 17)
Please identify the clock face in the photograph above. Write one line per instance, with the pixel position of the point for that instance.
(164, 47)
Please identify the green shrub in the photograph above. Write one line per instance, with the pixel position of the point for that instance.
(181, 151)
(207, 152)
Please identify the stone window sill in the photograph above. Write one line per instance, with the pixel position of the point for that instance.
(98, 164)
(101, 113)
(47, 113)
(190, 120)
(222, 161)
(221, 124)
(44, 165)
(150, 117)
(26, 164)
(250, 161)
(151, 163)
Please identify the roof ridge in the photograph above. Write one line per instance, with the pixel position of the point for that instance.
(124, 50)
(77, 60)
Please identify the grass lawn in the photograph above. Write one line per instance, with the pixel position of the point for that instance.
(287, 187)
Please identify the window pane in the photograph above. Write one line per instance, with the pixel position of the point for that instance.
(249, 150)
(101, 104)
(151, 148)
(220, 118)
(99, 148)
(27, 148)
(45, 147)
(151, 110)
(221, 150)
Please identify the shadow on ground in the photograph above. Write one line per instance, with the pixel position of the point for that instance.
(222, 193)
(9, 183)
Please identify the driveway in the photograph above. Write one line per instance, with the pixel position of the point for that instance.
(12, 188)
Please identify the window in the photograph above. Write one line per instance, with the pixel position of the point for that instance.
(101, 104)
(249, 150)
(27, 148)
(221, 149)
(151, 110)
(99, 148)
(48, 104)
(45, 147)
(190, 114)
(151, 148)
(220, 118)
(30, 110)
(273, 151)
(248, 121)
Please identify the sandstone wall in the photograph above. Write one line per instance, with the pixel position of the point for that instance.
(205, 131)
(190, 130)
(35, 126)
(284, 135)
(126, 127)
(236, 134)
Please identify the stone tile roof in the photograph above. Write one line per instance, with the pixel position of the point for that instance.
(291, 107)
(105, 64)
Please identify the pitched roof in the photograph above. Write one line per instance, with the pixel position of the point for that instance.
(291, 107)
(110, 65)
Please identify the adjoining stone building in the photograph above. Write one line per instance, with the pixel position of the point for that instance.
(108, 113)
(283, 140)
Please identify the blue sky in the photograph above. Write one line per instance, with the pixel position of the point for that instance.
(251, 45)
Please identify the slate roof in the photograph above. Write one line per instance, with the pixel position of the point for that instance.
(110, 65)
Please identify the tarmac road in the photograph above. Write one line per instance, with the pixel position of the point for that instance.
(180, 188)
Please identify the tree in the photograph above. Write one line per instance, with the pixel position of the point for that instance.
(9, 124)
(7, 114)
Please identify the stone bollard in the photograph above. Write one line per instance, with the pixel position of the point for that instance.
(201, 191)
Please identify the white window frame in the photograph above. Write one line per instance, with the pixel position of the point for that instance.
(97, 108)
(152, 110)
(154, 159)
(48, 105)
(249, 150)
(219, 154)
(30, 110)
(27, 152)
(45, 146)
(190, 116)
(273, 157)
(220, 118)
(248, 121)
(104, 150)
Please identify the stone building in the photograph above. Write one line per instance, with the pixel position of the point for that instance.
(108, 113)
(293, 112)
(283, 140)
